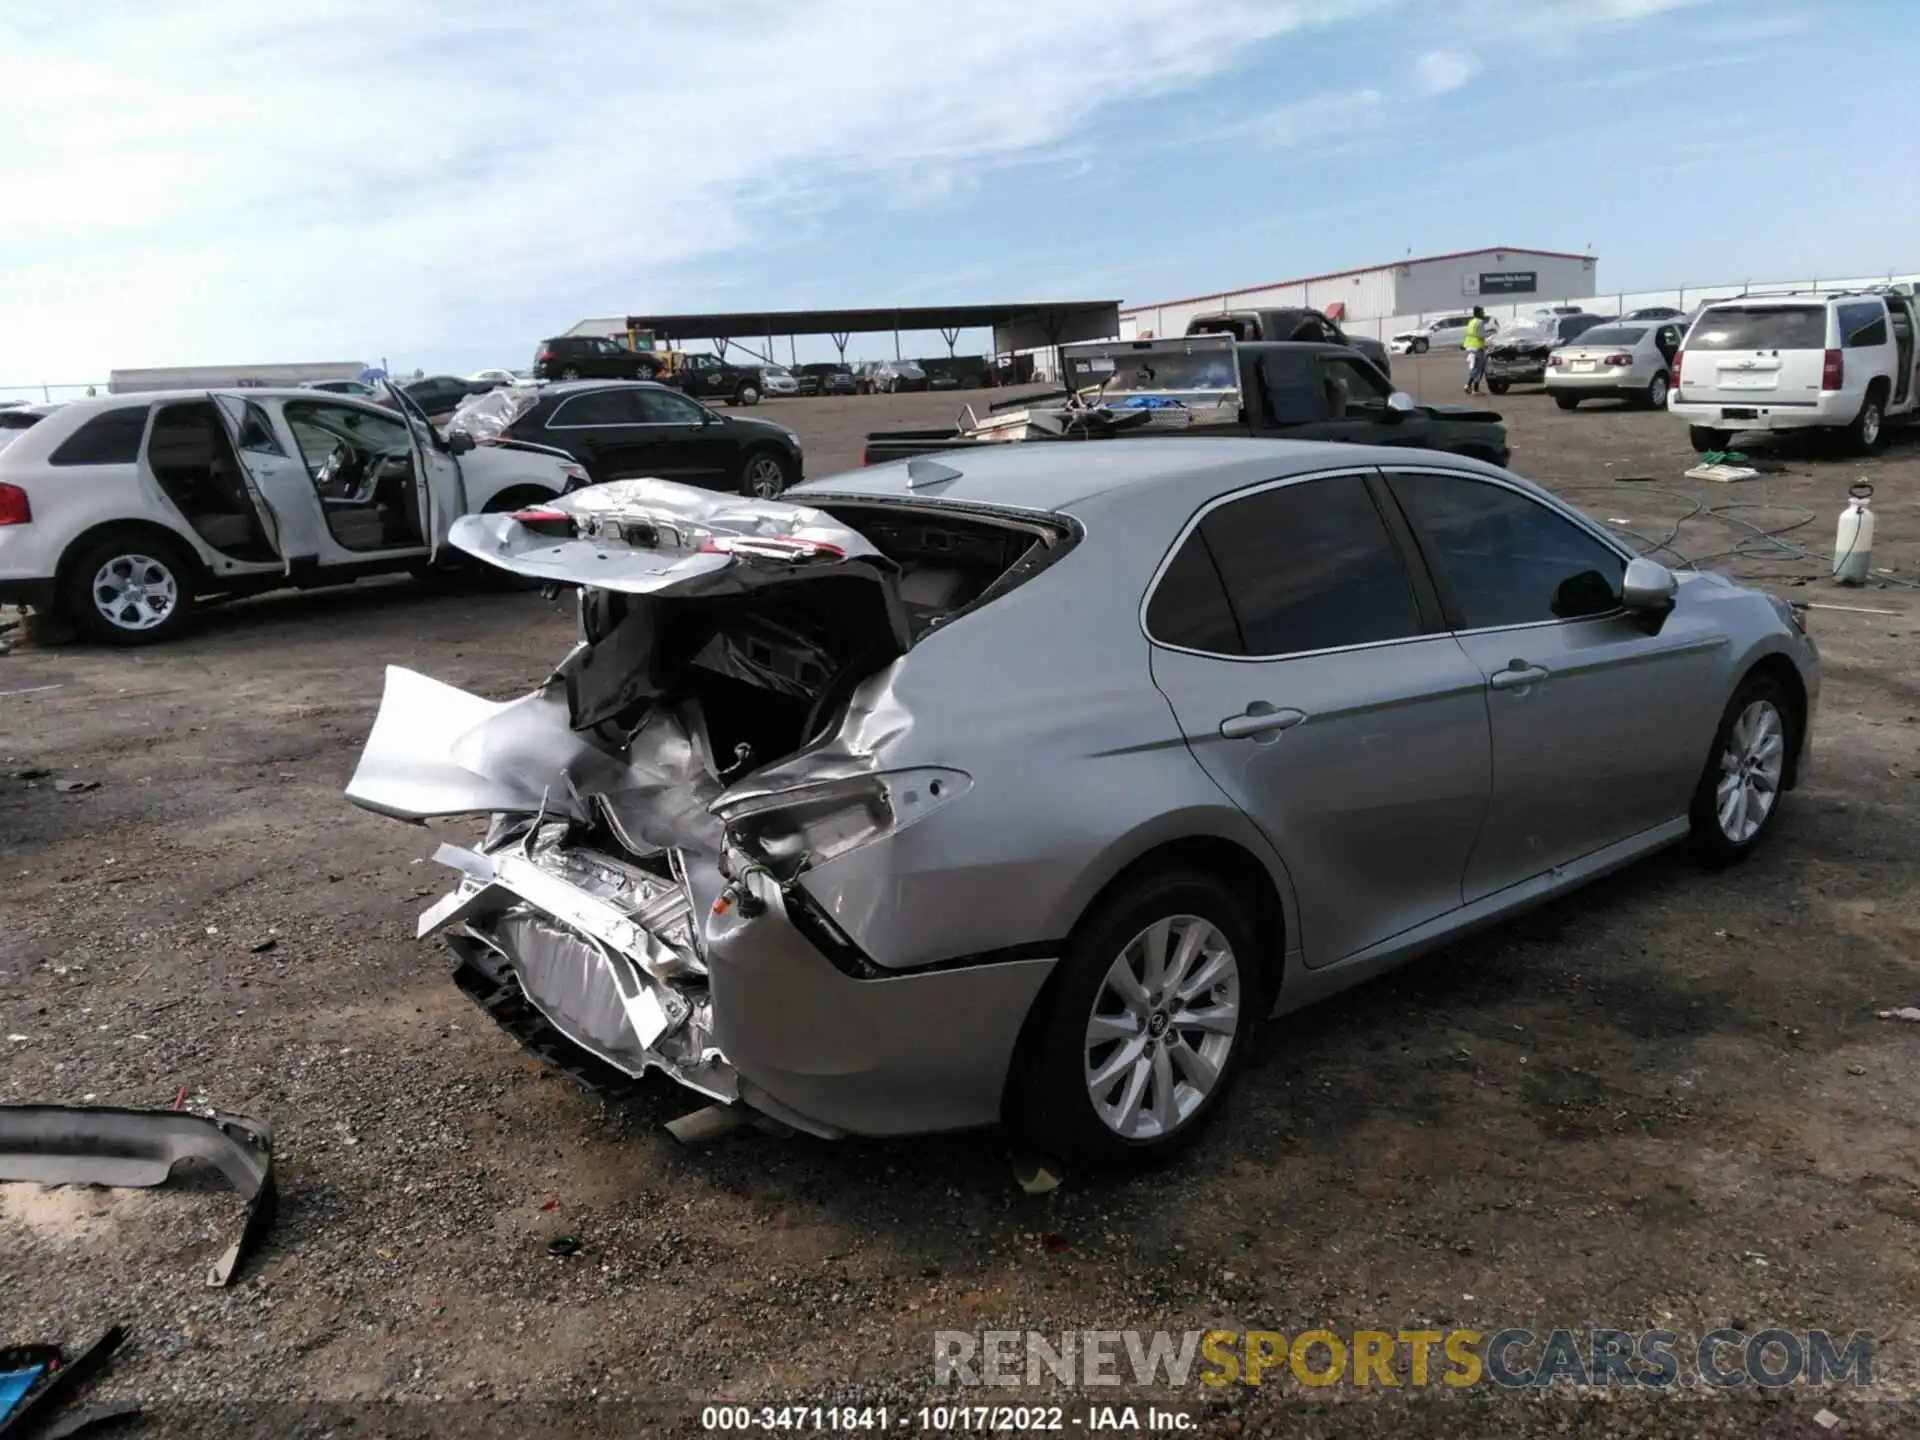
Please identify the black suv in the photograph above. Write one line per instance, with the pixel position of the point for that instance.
(592, 357)
(827, 378)
(622, 430)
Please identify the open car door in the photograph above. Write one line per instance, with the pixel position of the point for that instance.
(245, 422)
(442, 489)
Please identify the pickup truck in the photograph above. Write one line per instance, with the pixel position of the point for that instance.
(708, 377)
(1213, 385)
(1297, 324)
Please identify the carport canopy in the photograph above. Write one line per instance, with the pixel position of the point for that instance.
(1031, 325)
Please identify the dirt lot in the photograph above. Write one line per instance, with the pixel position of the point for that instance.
(1664, 1104)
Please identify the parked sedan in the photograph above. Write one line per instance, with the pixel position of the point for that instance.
(886, 377)
(1287, 714)
(1519, 357)
(620, 428)
(1624, 362)
(440, 395)
(778, 381)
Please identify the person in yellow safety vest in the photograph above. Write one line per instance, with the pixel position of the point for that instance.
(1474, 342)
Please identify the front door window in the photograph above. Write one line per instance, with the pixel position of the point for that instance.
(360, 461)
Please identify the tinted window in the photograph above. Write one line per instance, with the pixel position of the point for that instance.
(663, 407)
(256, 433)
(1628, 335)
(1863, 324)
(112, 438)
(596, 407)
(1771, 327)
(1309, 566)
(1189, 605)
(1507, 559)
(1353, 389)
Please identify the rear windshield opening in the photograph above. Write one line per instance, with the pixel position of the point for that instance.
(1769, 327)
(1614, 335)
(767, 671)
(490, 415)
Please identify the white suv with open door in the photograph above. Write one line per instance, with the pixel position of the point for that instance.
(1843, 363)
(121, 512)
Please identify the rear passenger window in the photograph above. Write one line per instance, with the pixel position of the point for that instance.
(1310, 566)
(111, 438)
(1189, 606)
(596, 407)
(1862, 325)
(1508, 560)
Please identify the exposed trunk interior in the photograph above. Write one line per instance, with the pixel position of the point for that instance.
(193, 460)
(767, 670)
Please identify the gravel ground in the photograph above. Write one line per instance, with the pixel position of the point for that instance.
(1665, 1103)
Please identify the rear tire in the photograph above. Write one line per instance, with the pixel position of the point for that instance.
(1567, 402)
(1165, 1066)
(128, 587)
(1656, 396)
(765, 474)
(1868, 429)
(1499, 387)
(1746, 771)
(569, 374)
(1705, 439)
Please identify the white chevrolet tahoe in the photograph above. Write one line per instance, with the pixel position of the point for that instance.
(1842, 363)
(120, 512)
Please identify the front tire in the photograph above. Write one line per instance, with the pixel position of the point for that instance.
(1704, 439)
(129, 587)
(748, 394)
(1421, 346)
(1739, 791)
(1499, 387)
(1150, 1013)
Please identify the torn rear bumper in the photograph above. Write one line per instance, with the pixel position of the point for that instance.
(608, 971)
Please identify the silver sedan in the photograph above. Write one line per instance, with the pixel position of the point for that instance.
(1620, 362)
(1016, 785)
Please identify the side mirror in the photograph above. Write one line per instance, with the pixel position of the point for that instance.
(1648, 587)
(1399, 404)
(459, 442)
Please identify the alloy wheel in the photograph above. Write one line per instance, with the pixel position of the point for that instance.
(135, 592)
(1162, 1027)
(765, 478)
(1751, 764)
(1657, 392)
(1870, 425)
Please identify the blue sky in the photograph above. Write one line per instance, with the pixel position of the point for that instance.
(198, 181)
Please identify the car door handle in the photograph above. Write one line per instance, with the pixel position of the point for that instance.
(1518, 674)
(1259, 718)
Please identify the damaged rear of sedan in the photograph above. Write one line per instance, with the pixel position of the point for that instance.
(922, 799)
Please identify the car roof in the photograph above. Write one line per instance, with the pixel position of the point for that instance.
(576, 387)
(1089, 479)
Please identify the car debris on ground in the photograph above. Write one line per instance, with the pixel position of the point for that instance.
(104, 1145)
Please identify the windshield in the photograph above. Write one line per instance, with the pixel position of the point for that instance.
(1155, 373)
(489, 416)
(1613, 335)
(1769, 327)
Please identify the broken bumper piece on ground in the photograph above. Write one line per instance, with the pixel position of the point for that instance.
(138, 1149)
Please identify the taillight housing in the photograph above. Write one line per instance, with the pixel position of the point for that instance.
(545, 357)
(1553, 362)
(784, 832)
(1618, 360)
(1833, 371)
(15, 508)
(1673, 377)
(544, 520)
(866, 457)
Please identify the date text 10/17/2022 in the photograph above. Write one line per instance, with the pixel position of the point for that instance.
(945, 1419)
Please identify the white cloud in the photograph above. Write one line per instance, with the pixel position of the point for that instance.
(202, 181)
(1438, 71)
